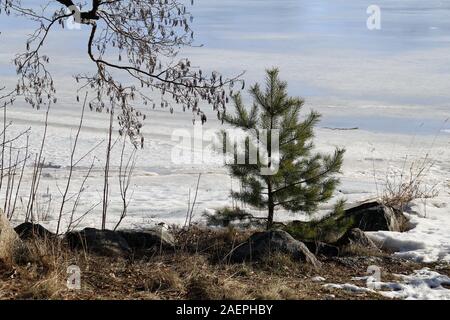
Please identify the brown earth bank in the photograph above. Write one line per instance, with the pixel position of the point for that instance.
(198, 267)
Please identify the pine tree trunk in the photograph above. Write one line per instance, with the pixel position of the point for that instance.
(270, 203)
(270, 218)
(270, 206)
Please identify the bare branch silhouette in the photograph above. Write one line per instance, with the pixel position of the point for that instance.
(132, 42)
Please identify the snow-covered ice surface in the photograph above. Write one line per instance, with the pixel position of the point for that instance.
(423, 284)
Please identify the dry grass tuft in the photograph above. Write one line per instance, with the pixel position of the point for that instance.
(360, 251)
(49, 287)
(202, 287)
(162, 279)
(211, 287)
(276, 291)
(408, 185)
(45, 270)
(283, 265)
(48, 255)
(215, 243)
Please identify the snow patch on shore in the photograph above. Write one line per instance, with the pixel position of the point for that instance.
(428, 240)
(423, 284)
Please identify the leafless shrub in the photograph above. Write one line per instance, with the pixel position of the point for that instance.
(125, 175)
(190, 209)
(72, 166)
(11, 210)
(145, 36)
(11, 159)
(37, 172)
(409, 184)
(15, 154)
(109, 147)
(73, 220)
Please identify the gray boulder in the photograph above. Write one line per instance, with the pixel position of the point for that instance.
(357, 238)
(28, 230)
(156, 238)
(260, 244)
(101, 242)
(322, 249)
(375, 216)
(366, 216)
